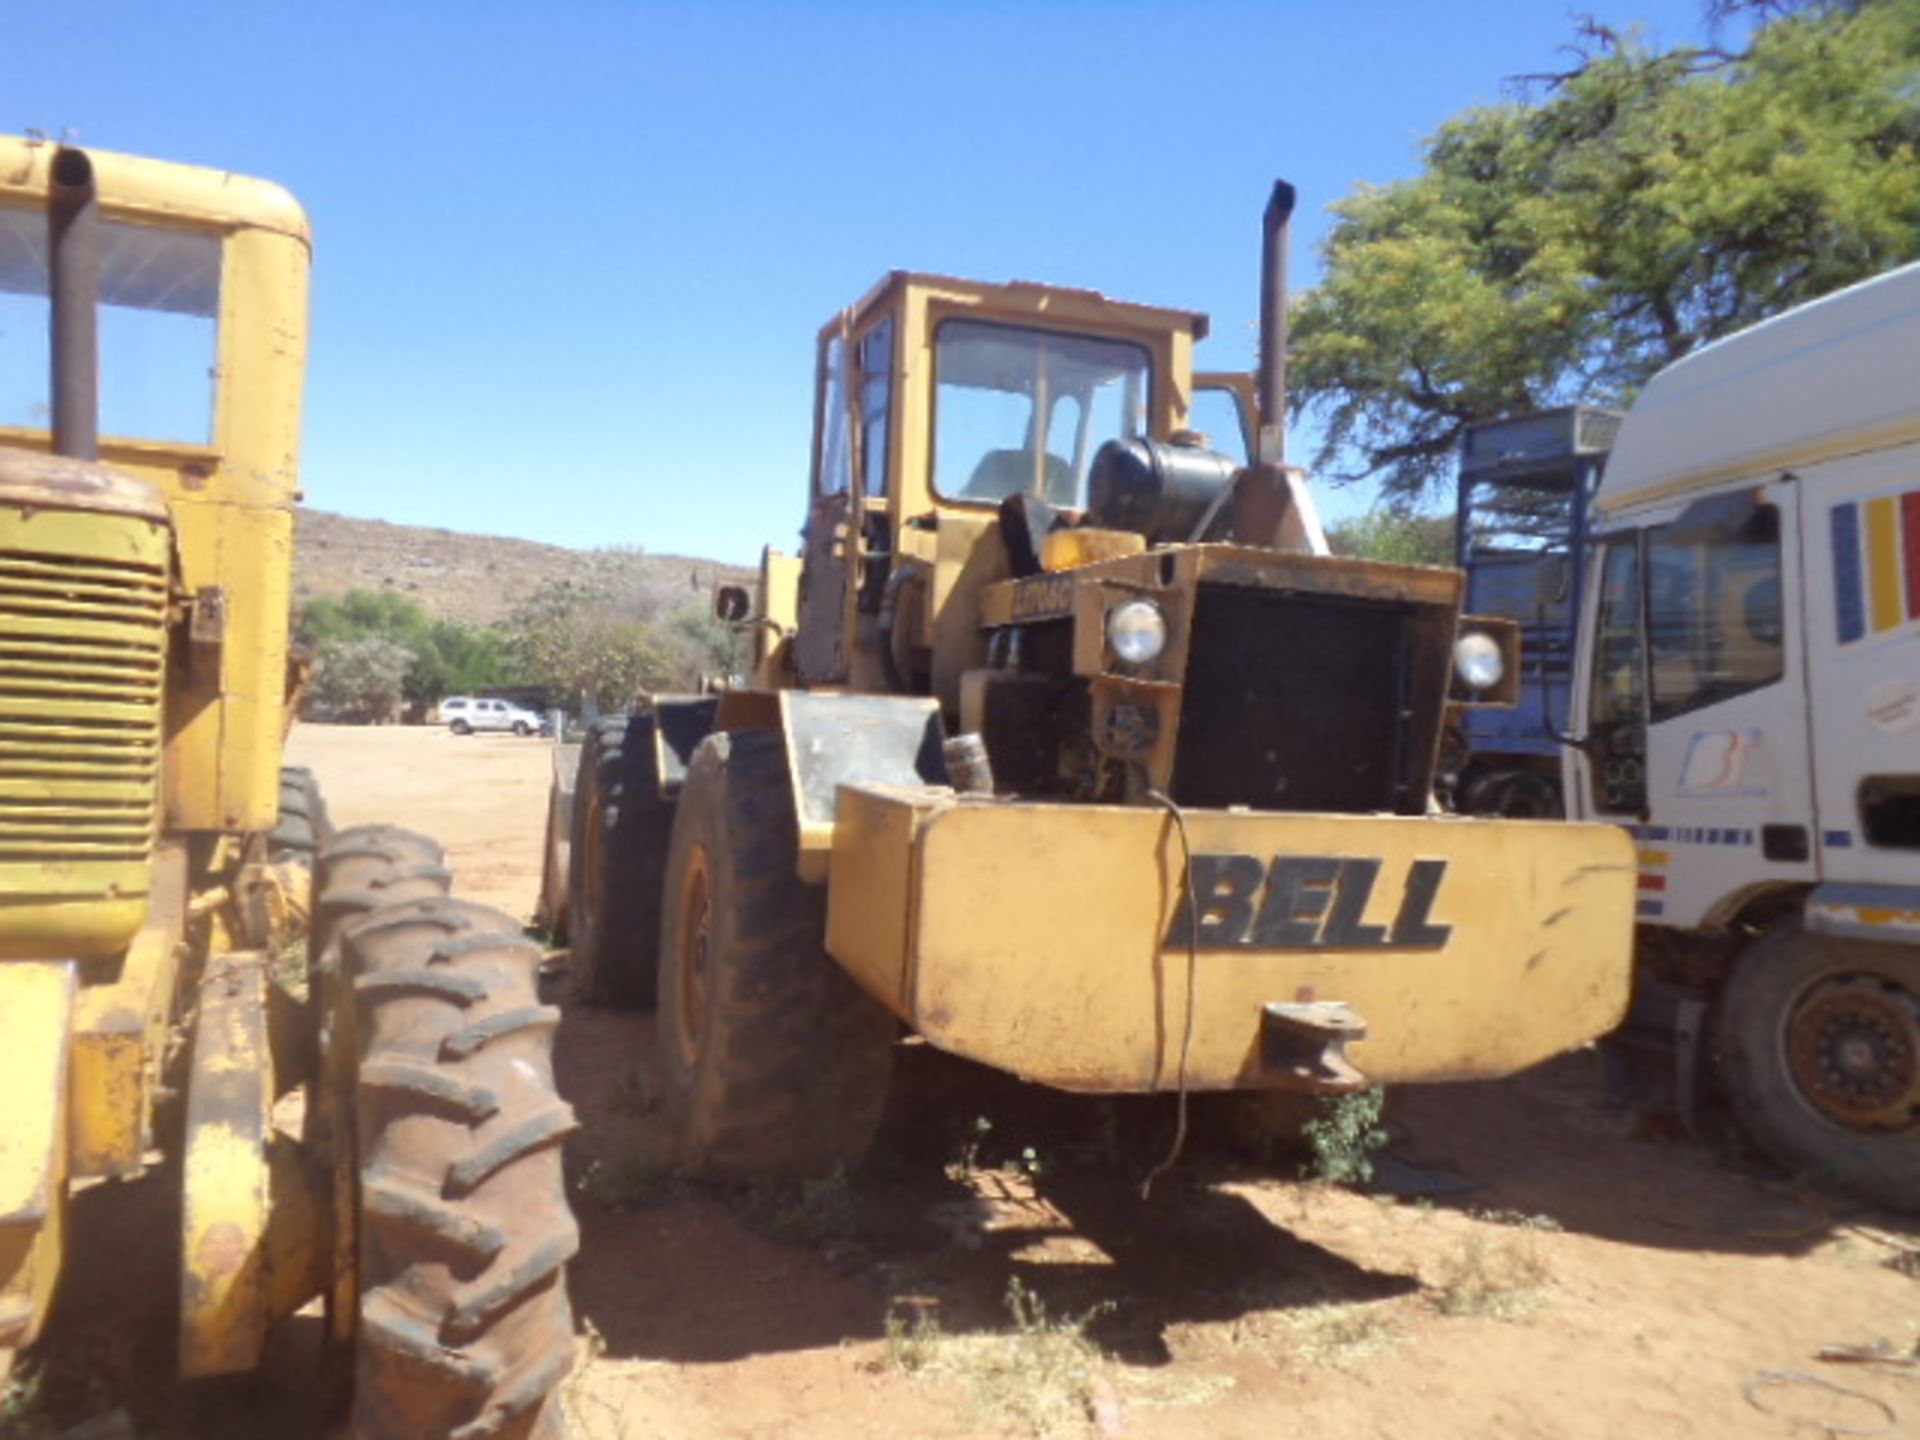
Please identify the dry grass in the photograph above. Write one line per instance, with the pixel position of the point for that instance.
(1043, 1376)
(1502, 1280)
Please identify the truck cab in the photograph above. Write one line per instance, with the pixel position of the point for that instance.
(1746, 701)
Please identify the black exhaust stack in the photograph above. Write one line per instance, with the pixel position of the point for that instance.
(73, 264)
(1272, 380)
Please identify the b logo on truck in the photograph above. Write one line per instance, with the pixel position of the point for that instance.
(1306, 902)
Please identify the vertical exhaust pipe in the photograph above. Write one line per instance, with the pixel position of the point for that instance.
(73, 268)
(1272, 378)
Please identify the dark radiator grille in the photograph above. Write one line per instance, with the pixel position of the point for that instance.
(1307, 702)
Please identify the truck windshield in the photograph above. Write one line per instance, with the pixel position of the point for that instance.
(1511, 516)
(1018, 410)
(159, 303)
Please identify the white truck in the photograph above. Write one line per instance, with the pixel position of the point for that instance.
(1747, 701)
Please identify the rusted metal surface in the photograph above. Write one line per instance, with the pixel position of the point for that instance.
(1853, 1046)
(73, 262)
(1304, 1046)
(32, 481)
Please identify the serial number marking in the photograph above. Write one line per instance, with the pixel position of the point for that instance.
(1306, 902)
(1049, 595)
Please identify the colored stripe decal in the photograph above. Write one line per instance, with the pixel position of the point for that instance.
(1653, 882)
(1883, 563)
(1849, 613)
(1839, 839)
(1650, 908)
(1910, 543)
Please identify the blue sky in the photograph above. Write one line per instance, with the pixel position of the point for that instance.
(571, 256)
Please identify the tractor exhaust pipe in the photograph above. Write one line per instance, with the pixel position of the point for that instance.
(1272, 379)
(73, 266)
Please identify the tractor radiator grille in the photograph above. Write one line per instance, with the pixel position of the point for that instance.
(82, 660)
(1306, 701)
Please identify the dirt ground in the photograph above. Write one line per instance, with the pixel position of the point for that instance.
(994, 1271)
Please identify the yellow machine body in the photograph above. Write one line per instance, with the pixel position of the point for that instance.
(1049, 940)
(1039, 927)
(144, 608)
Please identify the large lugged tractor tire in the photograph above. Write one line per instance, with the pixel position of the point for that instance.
(773, 1062)
(1819, 1042)
(301, 827)
(621, 829)
(464, 1327)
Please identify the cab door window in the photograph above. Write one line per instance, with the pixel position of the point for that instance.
(833, 461)
(1618, 711)
(876, 406)
(1714, 625)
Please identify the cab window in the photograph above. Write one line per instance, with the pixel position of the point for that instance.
(157, 325)
(1023, 410)
(833, 462)
(1619, 707)
(876, 405)
(1714, 626)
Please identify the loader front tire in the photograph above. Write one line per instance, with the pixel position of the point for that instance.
(464, 1330)
(1819, 1051)
(621, 828)
(773, 1062)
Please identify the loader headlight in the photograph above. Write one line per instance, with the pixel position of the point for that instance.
(1476, 659)
(1137, 631)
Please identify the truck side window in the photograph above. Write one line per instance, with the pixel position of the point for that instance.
(834, 464)
(1713, 614)
(876, 403)
(1618, 719)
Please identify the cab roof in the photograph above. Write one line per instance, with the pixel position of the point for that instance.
(1833, 377)
(158, 190)
(1025, 294)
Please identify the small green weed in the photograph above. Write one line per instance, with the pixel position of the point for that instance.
(1340, 1336)
(1344, 1135)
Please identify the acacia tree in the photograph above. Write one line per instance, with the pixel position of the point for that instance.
(1565, 247)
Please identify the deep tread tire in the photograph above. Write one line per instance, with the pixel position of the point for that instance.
(621, 830)
(1772, 977)
(464, 1326)
(783, 1071)
(301, 827)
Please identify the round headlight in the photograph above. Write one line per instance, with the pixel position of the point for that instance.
(1476, 659)
(1137, 631)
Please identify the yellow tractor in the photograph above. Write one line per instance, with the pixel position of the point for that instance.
(382, 1139)
(1070, 747)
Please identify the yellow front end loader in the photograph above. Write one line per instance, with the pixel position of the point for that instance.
(382, 1138)
(1070, 747)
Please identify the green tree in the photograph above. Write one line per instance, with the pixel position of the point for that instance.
(1405, 537)
(1565, 247)
(361, 678)
(448, 657)
(572, 639)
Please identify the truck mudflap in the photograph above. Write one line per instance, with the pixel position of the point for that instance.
(1053, 941)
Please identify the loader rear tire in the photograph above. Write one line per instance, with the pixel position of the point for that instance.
(621, 828)
(773, 1062)
(301, 827)
(1819, 1051)
(464, 1330)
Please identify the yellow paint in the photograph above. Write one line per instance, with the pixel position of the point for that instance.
(1070, 549)
(1653, 859)
(119, 1036)
(1883, 562)
(232, 500)
(1029, 936)
(36, 1001)
(225, 1186)
(82, 644)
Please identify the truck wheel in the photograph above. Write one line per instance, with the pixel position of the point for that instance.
(773, 1062)
(460, 727)
(522, 729)
(1820, 1057)
(621, 827)
(464, 1329)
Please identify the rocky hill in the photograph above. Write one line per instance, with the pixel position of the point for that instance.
(478, 578)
